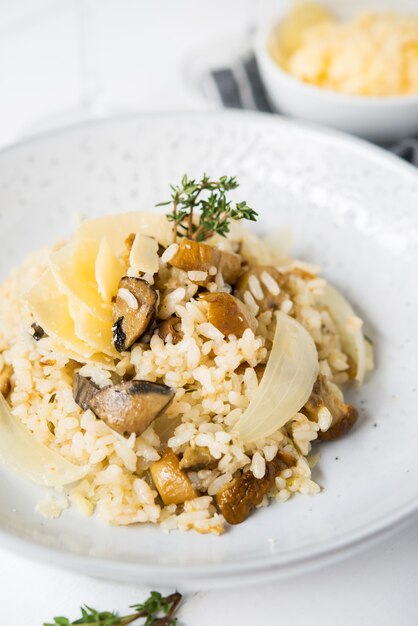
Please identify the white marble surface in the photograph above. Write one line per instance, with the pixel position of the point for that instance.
(125, 55)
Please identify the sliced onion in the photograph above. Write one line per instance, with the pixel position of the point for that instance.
(22, 453)
(287, 383)
(353, 342)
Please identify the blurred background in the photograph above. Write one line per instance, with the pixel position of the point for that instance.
(62, 61)
(65, 60)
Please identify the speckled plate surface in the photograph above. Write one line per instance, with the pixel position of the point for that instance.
(354, 211)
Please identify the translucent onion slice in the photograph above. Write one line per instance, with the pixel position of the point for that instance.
(23, 454)
(287, 383)
(350, 330)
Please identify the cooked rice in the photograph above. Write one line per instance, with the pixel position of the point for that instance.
(212, 391)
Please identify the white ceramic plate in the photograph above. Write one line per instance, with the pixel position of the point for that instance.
(353, 210)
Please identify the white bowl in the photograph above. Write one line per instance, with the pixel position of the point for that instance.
(352, 209)
(378, 119)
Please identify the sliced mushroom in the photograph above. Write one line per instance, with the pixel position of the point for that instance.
(38, 332)
(168, 328)
(269, 298)
(84, 390)
(130, 407)
(197, 256)
(195, 459)
(241, 495)
(171, 482)
(344, 416)
(228, 314)
(133, 311)
(5, 380)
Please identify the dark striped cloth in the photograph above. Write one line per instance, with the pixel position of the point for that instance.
(240, 87)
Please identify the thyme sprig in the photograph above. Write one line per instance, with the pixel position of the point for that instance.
(156, 610)
(205, 199)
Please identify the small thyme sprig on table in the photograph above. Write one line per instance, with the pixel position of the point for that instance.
(156, 610)
(208, 197)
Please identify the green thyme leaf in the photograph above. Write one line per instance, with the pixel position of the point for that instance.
(206, 200)
(156, 611)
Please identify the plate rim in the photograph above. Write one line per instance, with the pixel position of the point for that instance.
(278, 565)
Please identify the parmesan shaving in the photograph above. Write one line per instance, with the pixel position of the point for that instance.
(50, 310)
(116, 228)
(74, 270)
(144, 254)
(108, 271)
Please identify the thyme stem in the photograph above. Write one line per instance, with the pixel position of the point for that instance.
(215, 211)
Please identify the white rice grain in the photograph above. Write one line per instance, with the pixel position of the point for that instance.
(286, 306)
(255, 287)
(169, 252)
(218, 483)
(324, 418)
(209, 331)
(258, 465)
(129, 298)
(197, 276)
(270, 283)
(251, 303)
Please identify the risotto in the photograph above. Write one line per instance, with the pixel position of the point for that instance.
(161, 379)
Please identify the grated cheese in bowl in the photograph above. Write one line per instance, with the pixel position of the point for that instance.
(375, 54)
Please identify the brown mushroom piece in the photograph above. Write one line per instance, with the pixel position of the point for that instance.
(133, 311)
(196, 256)
(344, 416)
(5, 380)
(84, 390)
(269, 300)
(171, 482)
(130, 407)
(241, 495)
(38, 332)
(228, 314)
(168, 328)
(199, 458)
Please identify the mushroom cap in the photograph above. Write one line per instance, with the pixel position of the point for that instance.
(130, 407)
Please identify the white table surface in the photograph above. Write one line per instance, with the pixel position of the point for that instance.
(138, 56)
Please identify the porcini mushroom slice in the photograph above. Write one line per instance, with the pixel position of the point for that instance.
(130, 407)
(242, 494)
(197, 256)
(168, 328)
(228, 314)
(344, 416)
(83, 391)
(195, 459)
(5, 380)
(171, 482)
(133, 311)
